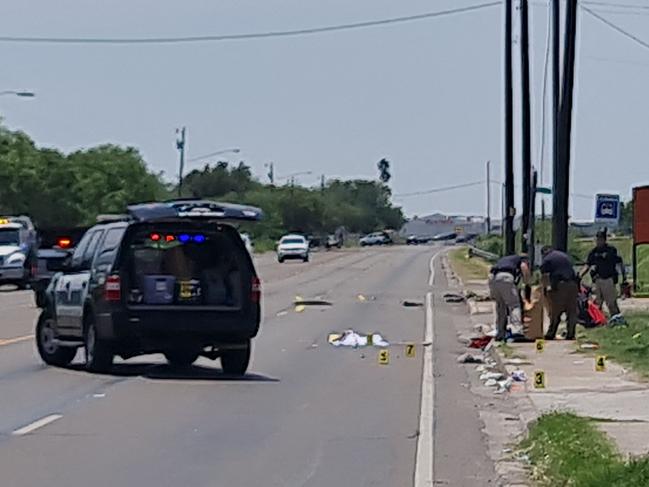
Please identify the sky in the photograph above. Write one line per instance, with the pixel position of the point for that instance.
(426, 94)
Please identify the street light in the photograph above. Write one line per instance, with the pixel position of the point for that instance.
(291, 177)
(235, 150)
(22, 94)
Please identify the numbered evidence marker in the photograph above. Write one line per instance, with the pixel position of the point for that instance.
(539, 345)
(410, 350)
(539, 379)
(600, 363)
(384, 357)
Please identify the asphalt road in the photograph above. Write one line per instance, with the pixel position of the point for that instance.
(306, 414)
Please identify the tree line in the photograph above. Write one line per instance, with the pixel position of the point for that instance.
(58, 189)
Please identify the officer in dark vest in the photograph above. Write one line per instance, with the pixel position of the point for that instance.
(503, 287)
(560, 286)
(603, 262)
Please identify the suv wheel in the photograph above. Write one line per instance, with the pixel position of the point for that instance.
(280, 260)
(306, 258)
(48, 349)
(99, 356)
(235, 362)
(181, 357)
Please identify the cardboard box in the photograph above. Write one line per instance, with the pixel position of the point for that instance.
(533, 315)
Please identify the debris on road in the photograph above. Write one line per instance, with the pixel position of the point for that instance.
(350, 338)
(454, 298)
(589, 346)
(299, 308)
(492, 375)
(361, 298)
(480, 342)
(467, 358)
(519, 376)
(412, 304)
(312, 302)
(281, 313)
(517, 361)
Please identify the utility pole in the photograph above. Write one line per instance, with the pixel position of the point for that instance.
(322, 182)
(180, 145)
(526, 129)
(510, 210)
(556, 94)
(488, 197)
(561, 185)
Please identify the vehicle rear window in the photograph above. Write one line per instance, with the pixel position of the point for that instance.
(293, 240)
(186, 267)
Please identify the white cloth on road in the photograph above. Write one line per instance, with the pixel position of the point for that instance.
(350, 338)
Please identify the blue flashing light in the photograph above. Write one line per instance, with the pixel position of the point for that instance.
(184, 238)
(199, 238)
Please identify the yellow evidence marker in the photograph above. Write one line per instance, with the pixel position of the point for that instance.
(539, 379)
(539, 344)
(600, 363)
(384, 357)
(410, 350)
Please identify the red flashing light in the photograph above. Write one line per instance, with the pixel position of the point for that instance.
(155, 237)
(255, 291)
(169, 238)
(64, 242)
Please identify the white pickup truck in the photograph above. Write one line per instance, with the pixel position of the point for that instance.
(18, 243)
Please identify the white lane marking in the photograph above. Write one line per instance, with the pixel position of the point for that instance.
(431, 268)
(424, 475)
(10, 341)
(39, 423)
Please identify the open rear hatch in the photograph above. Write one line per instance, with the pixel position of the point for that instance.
(186, 265)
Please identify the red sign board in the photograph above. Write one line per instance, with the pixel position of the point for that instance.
(641, 215)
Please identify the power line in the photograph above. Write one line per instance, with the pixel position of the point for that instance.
(440, 190)
(615, 27)
(251, 35)
(617, 5)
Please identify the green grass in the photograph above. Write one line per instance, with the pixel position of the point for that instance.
(618, 343)
(568, 450)
(468, 268)
(264, 245)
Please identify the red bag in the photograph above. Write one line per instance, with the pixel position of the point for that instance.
(596, 315)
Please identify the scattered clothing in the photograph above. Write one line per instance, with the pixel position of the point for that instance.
(453, 298)
(480, 342)
(617, 320)
(467, 358)
(349, 338)
(519, 376)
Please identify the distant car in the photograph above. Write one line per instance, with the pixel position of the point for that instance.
(247, 242)
(445, 236)
(293, 247)
(333, 241)
(418, 239)
(376, 238)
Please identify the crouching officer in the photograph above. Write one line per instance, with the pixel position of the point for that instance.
(602, 262)
(503, 287)
(560, 285)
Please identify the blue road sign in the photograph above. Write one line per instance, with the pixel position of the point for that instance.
(607, 208)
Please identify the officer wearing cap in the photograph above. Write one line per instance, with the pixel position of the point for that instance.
(560, 285)
(603, 261)
(503, 281)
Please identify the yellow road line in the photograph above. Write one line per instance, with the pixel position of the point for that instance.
(9, 341)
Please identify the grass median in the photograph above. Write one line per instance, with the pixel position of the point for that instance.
(628, 345)
(568, 450)
(468, 268)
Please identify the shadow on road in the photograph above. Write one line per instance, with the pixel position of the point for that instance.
(167, 372)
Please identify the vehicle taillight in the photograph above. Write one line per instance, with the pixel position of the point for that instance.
(64, 242)
(113, 288)
(255, 292)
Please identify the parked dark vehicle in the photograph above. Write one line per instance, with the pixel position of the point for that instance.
(466, 237)
(418, 240)
(56, 246)
(172, 277)
(445, 236)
